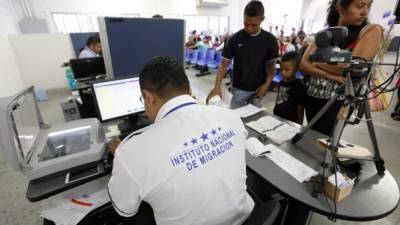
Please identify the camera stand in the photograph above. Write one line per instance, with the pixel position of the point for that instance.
(351, 104)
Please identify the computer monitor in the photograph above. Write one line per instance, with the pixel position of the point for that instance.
(117, 98)
(87, 68)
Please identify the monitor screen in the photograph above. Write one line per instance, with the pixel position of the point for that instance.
(118, 98)
(87, 67)
(27, 124)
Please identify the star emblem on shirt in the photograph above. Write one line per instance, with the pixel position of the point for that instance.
(213, 132)
(194, 141)
(204, 137)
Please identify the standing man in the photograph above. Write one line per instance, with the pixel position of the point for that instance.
(190, 164)
(254, 52)
(92, 49)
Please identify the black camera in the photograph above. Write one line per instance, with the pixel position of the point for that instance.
(327, 51)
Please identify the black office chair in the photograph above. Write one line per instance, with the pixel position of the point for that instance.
(265, 213)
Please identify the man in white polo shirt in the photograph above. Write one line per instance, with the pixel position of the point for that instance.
(190, 164)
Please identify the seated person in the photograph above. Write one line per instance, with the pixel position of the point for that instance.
(200, 45)
(190, 164)
(291, 94)
(92, 49)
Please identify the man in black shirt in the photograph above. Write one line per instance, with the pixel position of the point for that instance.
(254, 52)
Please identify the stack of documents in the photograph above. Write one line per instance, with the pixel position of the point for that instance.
(276, 130)
(70, 207)
(248, 110)
(297, 169)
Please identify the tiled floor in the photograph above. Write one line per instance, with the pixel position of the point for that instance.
(15, 209)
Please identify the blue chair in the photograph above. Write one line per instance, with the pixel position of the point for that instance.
(299, 75)
(201, 60)
(277, 78)
(218, 58)
(195, 55)
(210, 58)
(187, 55)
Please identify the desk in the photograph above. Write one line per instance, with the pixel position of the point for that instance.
(372, 198)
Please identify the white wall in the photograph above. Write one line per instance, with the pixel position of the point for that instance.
(10, 78)
(8, 18)
(275, 11)
(234, 10)
(39, 57)
(316, 11)
(42, 9)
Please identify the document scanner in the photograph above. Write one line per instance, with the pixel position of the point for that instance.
(39, 150)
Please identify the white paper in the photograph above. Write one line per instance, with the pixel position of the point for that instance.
(217, 101)
(282, 133)
(255, 147)
(297, 169)
(248, 110)
(264, 124)
(63, 211)
(276, 130)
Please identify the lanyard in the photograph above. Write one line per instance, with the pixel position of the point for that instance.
(178, 107)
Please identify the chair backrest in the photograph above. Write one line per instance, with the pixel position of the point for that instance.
(187, 55)
(201, 60)
(264, 213)
(218, 58)
(195, 55)
(210, 56)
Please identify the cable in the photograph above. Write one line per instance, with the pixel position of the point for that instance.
(309, 220)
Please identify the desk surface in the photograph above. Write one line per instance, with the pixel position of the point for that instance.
(372, 198)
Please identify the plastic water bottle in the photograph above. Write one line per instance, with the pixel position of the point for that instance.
(70, 78)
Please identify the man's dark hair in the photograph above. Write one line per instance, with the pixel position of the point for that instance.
(292, 57)
(92, 40)
(165, 77)
(254, 9)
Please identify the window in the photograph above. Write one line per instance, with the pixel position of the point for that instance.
(207, 25)
(79, 22)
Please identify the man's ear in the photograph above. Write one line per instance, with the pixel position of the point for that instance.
(148, 97)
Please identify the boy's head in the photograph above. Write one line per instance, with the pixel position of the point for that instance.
(290, 64)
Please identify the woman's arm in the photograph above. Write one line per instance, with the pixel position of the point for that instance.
(309, 68)
(367, 47)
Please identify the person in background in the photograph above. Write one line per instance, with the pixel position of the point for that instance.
(293, 35)
(201, 44)
(187, 176)
(254, 51)
(363, 41)
(92, 49)
(291, 95)
(293, 46)
(216, 42)
(276, 32)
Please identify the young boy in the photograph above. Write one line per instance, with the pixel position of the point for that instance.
(291, 94)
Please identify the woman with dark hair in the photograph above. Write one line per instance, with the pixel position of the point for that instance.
(363, 41)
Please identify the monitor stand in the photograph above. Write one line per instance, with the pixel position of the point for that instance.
(133, 123)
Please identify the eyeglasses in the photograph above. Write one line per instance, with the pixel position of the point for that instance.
(141, 99)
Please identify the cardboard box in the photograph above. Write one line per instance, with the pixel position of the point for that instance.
(341, 193)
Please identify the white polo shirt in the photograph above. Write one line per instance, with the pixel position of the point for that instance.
(189, 166)
(87, 53)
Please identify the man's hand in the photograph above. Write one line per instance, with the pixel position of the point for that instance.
(113, 145)
(215, 91)
(261, 91)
